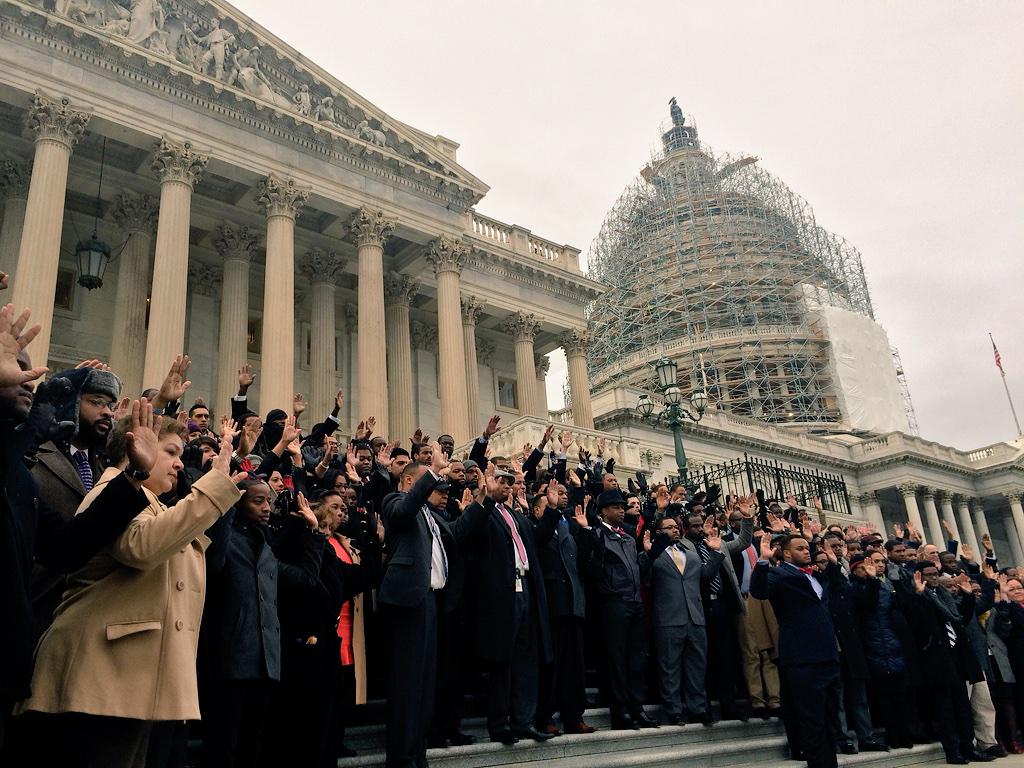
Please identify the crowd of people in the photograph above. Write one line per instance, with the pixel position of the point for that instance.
(170, 576)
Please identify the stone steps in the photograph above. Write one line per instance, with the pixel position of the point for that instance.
(734, 743)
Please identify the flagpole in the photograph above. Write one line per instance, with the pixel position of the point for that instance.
(1007, 388)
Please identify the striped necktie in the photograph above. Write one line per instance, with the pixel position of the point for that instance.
(84, 470)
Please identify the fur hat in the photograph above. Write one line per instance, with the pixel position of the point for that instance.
(85, 381)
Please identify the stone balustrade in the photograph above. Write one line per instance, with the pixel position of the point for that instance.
(493, 234)
(511, 438)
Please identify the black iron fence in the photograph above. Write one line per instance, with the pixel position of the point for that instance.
(777, 480)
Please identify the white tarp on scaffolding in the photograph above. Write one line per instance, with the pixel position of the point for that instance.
(862, 368)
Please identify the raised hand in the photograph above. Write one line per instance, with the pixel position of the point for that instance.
(339, 400)
(914, 534)
(918, 582)
(714, 540)
(305, 512)
(467, 499)
(601, 443)
(350, 464)
(816, 503)
(547, 436)
(384, 454)
(662, 498)
(869, 569)
(298, 404)
(765, 548)
(492, 426)
(963, 582)
(250, 434)
(175, 384)
(986, 542)
(222, 462)
(745, 505)
(897, 530)
(246, 377)
(967, 553)
(371, 424)
(289, 433)
(438, 460)
(122, 409)
(182, 418)
(566, 439)
(826, 545)
(97, 365)
(142, 440)
(228, 430)
(581, 517)
(13, 339)
(647, 541)
(527, 450)
(947, 528)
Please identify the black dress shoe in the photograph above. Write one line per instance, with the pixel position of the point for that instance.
(672, 720)
(957, 760)
(436, 741)
(847, 748)
(644, 721)
(529, 732)
(624, 723)
(775, 712)
(704, 718)
(460, 739)
(996, 750)
(977, 756)
(504, 737)
(761, 712)
(873, 746)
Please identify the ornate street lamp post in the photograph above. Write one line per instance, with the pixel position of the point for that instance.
(675, 413)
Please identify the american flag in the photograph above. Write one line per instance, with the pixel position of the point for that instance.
(999, 359)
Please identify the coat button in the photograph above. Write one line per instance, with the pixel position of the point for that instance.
(180, 586)
(179, 625)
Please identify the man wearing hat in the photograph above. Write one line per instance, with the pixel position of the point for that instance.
(511, 614)
(614, 566)
(65, 473)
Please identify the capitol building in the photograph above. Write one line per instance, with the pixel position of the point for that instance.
(176, 178)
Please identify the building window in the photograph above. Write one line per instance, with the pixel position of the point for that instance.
(507, 395)
(65, 296)
(254, 336)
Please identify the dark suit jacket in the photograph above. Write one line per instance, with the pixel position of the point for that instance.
(493, 571)
(677, 597)
(613, 565)
(806, 632)
(560, 564)
(31, 533)
(241, 625)
(61, 490)
(406, 580)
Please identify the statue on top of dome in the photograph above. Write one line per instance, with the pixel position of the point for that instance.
(676, 112)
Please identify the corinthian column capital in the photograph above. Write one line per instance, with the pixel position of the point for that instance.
(908, 489)
(1014, 496)
(55, 120)
(178, 162)
(204, 279)
(135, 213)
(371, 227)
(399, 288)
(15, 176)
(281, 197)
(576, 341)
(522, 326)
(471, 309)
(447, 255)
(543, 364)
(322, 266)
(235, 242)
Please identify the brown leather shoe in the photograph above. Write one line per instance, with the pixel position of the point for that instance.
(580, 727)
(552, 729)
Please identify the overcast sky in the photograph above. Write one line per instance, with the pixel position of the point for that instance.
(901, 124)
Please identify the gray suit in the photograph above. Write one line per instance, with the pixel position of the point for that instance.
(678, 618)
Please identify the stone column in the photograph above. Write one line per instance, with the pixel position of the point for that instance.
(1013, 537)
(236, 245)
(398, 292)
(323, 271)
(873, 511)
(523, 328)
(14, 180)
(448, 257)
(967, 526)
(541, 364)
(282, 199)
(471, 308)
(351, 362)
(946, 502)
(1017, 514)
(178, 167)
(909, 493)
(371, 229)
(57, 128)
(575, 343)
(136, 216)
(204, 287)
(980, 521)
(931, 515)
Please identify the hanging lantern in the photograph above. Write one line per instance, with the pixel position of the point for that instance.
(93, 255)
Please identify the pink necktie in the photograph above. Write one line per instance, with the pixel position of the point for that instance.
(515, 536)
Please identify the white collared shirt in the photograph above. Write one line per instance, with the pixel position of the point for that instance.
(815, 584)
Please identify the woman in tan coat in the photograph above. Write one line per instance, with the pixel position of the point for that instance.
(121, 652)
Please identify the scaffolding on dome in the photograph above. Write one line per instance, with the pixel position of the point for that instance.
(711, 260)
